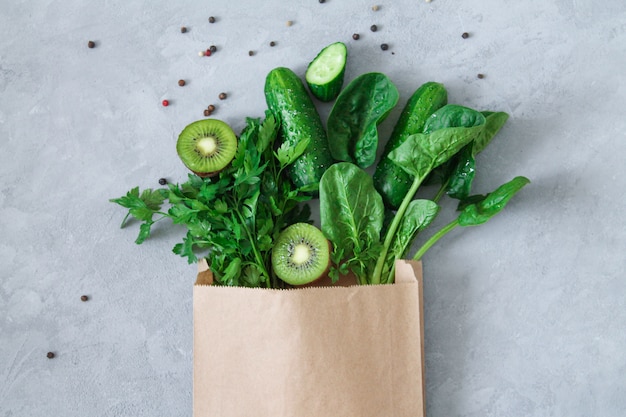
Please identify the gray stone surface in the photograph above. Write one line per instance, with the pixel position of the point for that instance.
(525, 316)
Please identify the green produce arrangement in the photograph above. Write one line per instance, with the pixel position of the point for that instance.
(246, 204)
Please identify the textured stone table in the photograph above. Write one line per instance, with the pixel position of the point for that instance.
(525, 316)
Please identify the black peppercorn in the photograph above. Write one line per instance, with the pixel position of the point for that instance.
(213, 48)
(223, 96)
(373, 28)
(84, 297)
(481, 76)
(91, 44)
(384, 46)
(50, 355)
(207, 113)
(211, 108)
(183, 29)
(211, 19)
(465, 35)
(162, 181)
(181, 82)
(322, 1)
(250, 53)
(355, 36)
(272, 43)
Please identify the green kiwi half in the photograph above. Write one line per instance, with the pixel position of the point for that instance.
(301, 254)
(207, 146)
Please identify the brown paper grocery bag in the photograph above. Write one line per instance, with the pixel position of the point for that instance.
(353, 351)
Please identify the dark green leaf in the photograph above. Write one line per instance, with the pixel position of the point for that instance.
(353, 121)
(462, 175)
(480, 212)
(493, 123)
(419, 214)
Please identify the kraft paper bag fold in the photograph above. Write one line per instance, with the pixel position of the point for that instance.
(354, 351)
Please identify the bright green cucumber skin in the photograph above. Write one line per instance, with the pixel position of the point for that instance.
(288, 99)
(391, 181)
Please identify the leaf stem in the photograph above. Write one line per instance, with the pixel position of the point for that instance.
(434, 238)
(393, 227)
(259, 258)
(442, 190)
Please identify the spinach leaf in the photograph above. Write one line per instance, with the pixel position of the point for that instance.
(493, 123)
(453, 115)
(353, 121)
(418, 215)
(463, 172)
(481, 211)
(458, 174)
(478, 212)
(422, 152)
(351, 214)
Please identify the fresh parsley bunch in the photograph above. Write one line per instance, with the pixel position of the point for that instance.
(235, 216)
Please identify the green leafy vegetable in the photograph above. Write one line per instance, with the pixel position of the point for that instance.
(353, 121)
(479, 212)
(351, 214)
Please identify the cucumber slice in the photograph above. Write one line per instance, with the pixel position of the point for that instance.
(324, 75)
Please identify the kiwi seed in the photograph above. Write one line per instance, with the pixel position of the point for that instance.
(301, 254)
(206, 146)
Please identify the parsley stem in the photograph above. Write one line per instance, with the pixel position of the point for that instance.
(257, 255)
(124, 221)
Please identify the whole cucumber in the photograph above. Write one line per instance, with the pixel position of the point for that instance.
(288, 99)
(391, 181)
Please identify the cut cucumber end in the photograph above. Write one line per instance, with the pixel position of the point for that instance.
(324, 75)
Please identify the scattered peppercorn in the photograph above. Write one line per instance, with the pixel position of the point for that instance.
(207, 113)
(181, 82)
(84, 297)
(375, 8)
(165, 103)
(272, 43)
(183, 29)
(465, 35)
(201, 53)
(213, 48)
(384, 46)
(427, 1)
(223, 96)
(211, 108)
(481, 76)
(50, 355)
(356, 36)
(373, 28)
(322, 1)
(91, 44)
(289, 23)
(250, 53)
(162, 181)
(211, 19)
(207, 52)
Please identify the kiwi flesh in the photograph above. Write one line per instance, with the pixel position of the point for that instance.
(206, 146)
(301, 254)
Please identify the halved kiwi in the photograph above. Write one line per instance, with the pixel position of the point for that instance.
(301, 254)
(207, 146)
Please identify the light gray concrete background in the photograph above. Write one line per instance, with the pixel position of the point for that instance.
(525, 316)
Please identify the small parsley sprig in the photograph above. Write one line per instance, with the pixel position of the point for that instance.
(236, 216)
